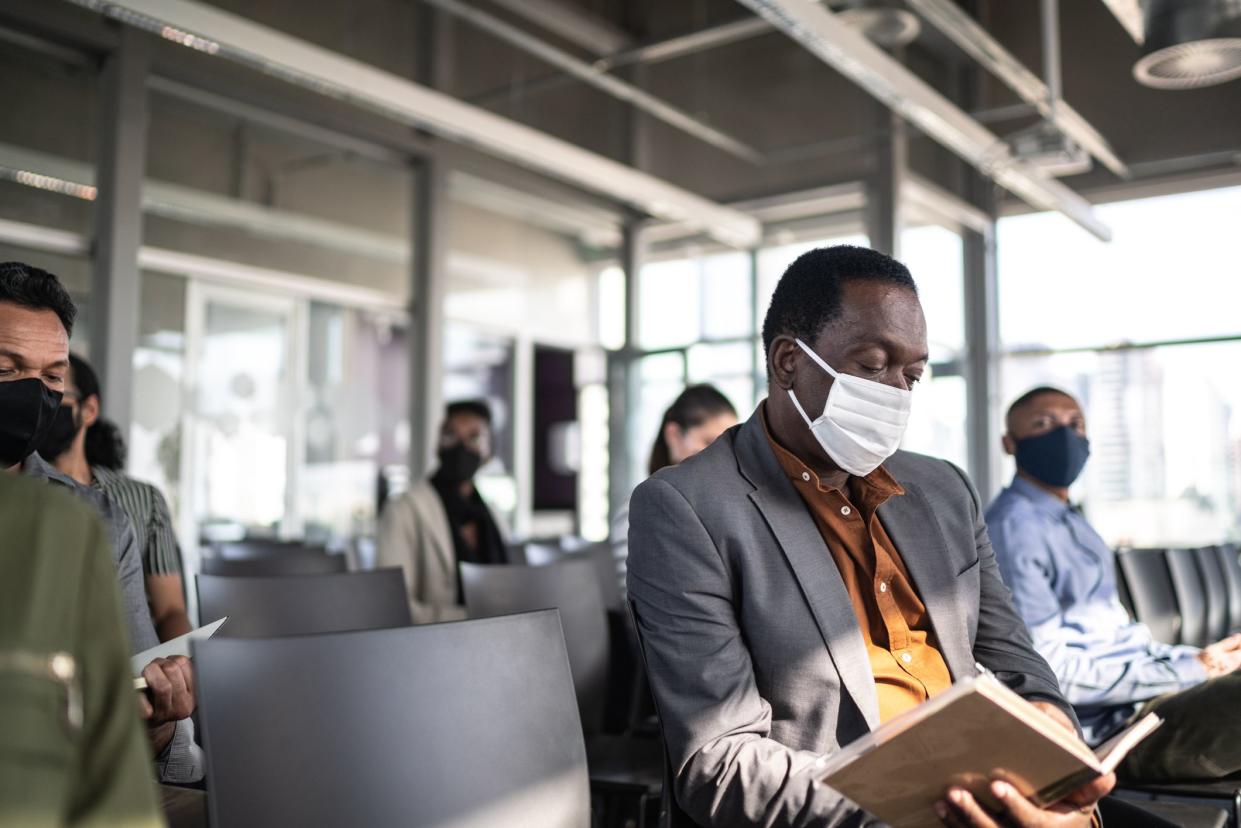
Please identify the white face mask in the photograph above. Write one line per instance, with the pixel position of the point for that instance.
(862, 421)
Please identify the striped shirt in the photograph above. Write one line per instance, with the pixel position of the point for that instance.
(148, 511)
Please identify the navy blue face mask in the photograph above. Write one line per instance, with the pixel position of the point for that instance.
(1055, 458)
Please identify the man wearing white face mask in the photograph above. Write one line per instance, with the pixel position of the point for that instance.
(801, 580)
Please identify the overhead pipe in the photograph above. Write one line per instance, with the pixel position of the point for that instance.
(977, 42)
(837, 44)
(600, 79)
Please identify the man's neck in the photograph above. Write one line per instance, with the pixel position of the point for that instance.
(1061, 492)
(793, 435)
(73, 464)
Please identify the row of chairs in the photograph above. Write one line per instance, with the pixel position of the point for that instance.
(620, 767)
(1185, 596)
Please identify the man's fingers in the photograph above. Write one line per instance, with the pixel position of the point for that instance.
(1022, 810)
(144, 707)
(159, 685)
(1089, 794)
(968, 811)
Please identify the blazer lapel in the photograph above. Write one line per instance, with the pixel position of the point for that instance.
(812, 565)
(911, 525)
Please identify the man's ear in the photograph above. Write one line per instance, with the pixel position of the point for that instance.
(1009, 444)
(90, 410)
(782, 361)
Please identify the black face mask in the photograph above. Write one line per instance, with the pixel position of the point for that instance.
(27, 408)
(1055, 458)
(458, 464)
(60, 435)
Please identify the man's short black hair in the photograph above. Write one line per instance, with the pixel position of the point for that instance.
(1022, 401)
(31, 287)
(807, 296)
(475, 408)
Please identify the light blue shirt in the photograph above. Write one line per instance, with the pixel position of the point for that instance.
(1063, 579)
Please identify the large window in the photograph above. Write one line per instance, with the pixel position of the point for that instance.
(937, 424)
(1145, 331)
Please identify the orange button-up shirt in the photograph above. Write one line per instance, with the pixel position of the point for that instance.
(904, 656)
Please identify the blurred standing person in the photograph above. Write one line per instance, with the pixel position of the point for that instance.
(695, 419)
(443, 520)
(84, 446)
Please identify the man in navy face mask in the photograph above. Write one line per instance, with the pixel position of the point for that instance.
(1062, 576)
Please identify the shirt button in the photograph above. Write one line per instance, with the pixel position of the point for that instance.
(906, 657)
(845, 510)
(883, 586)
(805, 476)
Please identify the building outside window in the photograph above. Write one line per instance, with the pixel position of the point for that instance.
(1144, 330)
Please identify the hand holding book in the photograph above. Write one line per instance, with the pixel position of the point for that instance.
(946, 755)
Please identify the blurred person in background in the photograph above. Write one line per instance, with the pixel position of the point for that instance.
(71, 750)
(698, 416)
(36, 320)
(1063, 579)
(443, 520)
(84, 446)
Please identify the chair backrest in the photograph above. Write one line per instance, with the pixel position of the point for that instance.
(600, 554)
(468, 724)
(570, 586)
(1150, 586)
(1191, 596)
(1211, 569)
(299, 562)
(260, 548)
(1122, 589)
(542, 554)
(1230, 565)
(265, 606)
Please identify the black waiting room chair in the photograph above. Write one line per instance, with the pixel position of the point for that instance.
(1230, 566)
(1191, 596)
(621, 767)
(1215, 588)
(469, 724)
(288, 562)
(266, 606)
(1149, 585)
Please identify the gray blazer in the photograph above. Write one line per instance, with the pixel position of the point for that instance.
(756, 660)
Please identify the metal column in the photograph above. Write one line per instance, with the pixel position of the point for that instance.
(623, 377)
(982, 339)
(115, 284)
(428, 288)
(883, 186)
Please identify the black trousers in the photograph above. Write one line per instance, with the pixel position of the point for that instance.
(1200, 739)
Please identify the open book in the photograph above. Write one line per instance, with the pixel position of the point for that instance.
(177, 646)
(962, 737)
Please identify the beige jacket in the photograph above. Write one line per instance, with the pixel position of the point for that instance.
(414, 534)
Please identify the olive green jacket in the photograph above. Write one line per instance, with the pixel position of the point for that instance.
(72, 750)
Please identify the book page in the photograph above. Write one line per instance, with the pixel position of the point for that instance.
(1112, 752)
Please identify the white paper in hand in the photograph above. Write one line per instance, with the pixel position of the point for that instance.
(177, 646)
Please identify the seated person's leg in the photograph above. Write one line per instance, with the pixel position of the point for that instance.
(1200, 738)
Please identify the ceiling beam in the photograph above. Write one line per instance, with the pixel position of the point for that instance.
(1129, 14)
(215, 32)
(600, 79)
(952, 21)
(579, 27)
(849, 52)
